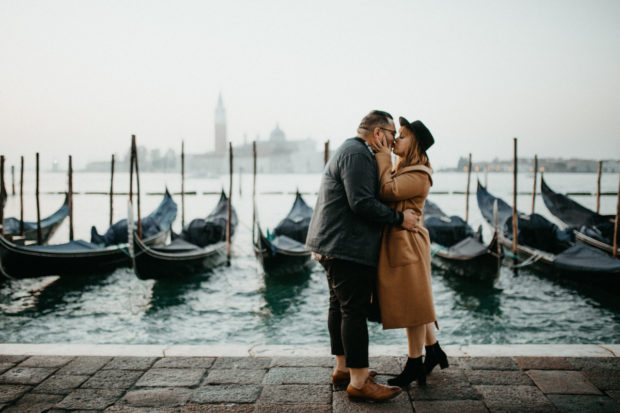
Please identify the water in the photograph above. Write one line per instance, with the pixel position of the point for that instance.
(240, 305)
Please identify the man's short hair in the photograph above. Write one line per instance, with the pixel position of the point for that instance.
(375, 119)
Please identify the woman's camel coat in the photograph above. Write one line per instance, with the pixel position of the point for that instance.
(404, 272)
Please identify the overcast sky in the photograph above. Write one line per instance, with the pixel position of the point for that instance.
(81, 76)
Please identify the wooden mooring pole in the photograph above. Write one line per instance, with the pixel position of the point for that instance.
(182, 184)
(13, 180)
(598, 186)
(326, 154)
(615, 243)
(535, 176)
(229, 215)
(70, 195)
(135, 161)
(131, 163)
(2, 194)
(253, 189)
(514, 199)
(39, 233)
(467, 188)
(21, 197)
(112, 190)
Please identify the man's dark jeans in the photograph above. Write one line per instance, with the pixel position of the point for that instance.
(350, 287)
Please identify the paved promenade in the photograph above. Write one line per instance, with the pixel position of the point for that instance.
(59, 378)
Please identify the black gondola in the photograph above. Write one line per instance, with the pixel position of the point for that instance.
(79, 257)
(540, 241)
(49, 225)
(285, 252)
(590, 228)
(200, 247)
(457, 248)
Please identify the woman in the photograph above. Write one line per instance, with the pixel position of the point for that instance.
(404, 272)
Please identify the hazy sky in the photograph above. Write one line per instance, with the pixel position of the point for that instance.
(81, 76)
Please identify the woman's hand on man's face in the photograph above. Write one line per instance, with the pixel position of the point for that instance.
(381, 145)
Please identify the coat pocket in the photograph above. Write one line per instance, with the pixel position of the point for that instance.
(402, 248)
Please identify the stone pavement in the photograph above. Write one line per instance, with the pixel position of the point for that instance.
(59, 383)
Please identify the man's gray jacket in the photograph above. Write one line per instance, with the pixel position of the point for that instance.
(348, 217)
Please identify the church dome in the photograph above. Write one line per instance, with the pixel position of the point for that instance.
(277, 134)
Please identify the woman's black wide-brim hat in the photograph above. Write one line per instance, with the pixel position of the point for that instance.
(420, 131)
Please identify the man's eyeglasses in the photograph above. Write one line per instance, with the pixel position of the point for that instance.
(393, 132)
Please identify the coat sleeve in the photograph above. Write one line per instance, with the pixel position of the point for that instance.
(359, 182)
(400, 187)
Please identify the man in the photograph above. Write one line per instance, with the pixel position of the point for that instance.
(345, 233)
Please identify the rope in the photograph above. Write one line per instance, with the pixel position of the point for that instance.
(531, 260)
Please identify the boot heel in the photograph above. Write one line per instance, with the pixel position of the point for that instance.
(422, 381)
(444, 363)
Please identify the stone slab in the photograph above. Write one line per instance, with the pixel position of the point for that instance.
(448, 384)
(235, 376)
(614, 348)
(515, 399)
(441, 406)
(207, 351)
(60, 384)
(290, 351)
(97, 399)
(536, 350)
(578, 404)
(604, 379)
(595, 363)
(387, 365)
(130, 363)
(113, 379)
(11, 358)
(324, 361)
(343, 404)
(226, 394)
(123, 408)
(46, 361)
(185, 362)
(242, 363)
(5, 366)
(292, 408)
(81, 350)
(217, 408)
(34, 403)
(298, 375)
(488, 363)
(26, 375)
(171, 377)
(562, 382)
(10, 392)
(543, 363)
(296, 394)
(158, 397)
(498, 377)
(614, 394)
(84, 365)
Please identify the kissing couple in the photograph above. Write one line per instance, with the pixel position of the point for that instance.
(367, 232)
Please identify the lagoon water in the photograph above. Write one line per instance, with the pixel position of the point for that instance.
(239, 304)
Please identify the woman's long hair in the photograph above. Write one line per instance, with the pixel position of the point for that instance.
(414, 156)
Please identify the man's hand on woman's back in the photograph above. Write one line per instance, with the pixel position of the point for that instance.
(411, 220)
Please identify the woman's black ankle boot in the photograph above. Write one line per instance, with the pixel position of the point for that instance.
(414, 370)
(435, 356)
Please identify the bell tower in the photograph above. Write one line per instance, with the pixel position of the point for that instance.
(220, 126)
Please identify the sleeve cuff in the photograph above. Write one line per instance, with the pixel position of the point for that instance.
(401, 218)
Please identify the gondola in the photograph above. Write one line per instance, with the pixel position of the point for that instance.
(284, 253)
(542, 243)
(590, 228)
(457, 248)
(49, 225)
(80, 257)
(200, 247)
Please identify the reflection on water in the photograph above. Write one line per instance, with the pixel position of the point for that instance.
(239, 304)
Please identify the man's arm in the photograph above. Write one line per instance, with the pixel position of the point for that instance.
(359, 185)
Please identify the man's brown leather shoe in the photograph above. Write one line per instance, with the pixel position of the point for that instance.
(342, 378)
(373, 391)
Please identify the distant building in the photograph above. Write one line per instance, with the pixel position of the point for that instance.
(544, 164)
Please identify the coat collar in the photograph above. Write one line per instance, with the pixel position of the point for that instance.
(417, 168)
